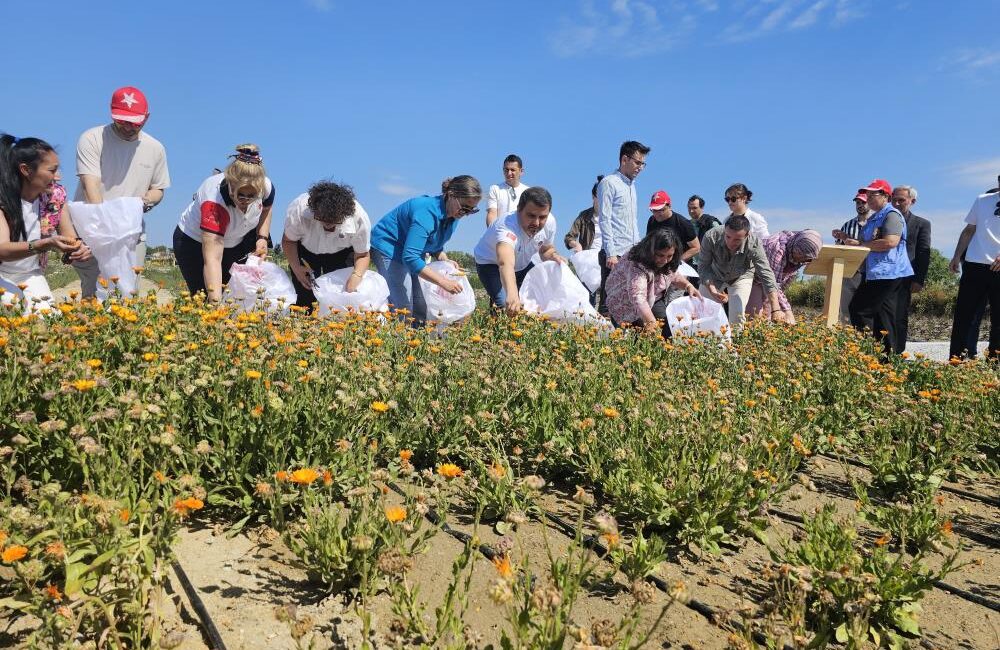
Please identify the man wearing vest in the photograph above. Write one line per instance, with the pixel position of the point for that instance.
(886, 267)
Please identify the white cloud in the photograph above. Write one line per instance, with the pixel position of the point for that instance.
(975, 64)
(625, 28)
(320, 5)
(392, 188)
(809, 17)
(981, 174)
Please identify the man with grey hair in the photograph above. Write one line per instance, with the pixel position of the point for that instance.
(918, 249)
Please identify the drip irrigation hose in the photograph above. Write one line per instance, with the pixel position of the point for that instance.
(212, 632)
(943, 586)
(965, 494)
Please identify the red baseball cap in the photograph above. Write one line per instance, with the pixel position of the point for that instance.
(659, 200)
(128, 104)
(861, 196)
(877, 185)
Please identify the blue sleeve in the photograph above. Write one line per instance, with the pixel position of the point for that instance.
(415, 243)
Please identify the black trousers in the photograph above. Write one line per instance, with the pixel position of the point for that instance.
(904, 299)
(320, 263)
(874, 307)
(602, 259)
(191, 260)
(979, 286)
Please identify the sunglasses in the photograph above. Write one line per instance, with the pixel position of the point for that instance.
(465, 210)
(733, 199)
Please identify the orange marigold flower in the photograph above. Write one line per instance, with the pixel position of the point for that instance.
(946, 528)
(610, 412)
(502, 565)
(450, 470)
(84, 384)
(159, 476)
(124, 515)
(343, 445)
(395, 514)
(14, 553)
(327, 477)
(379, 407)
(611, 539)
(252, 374)
(304, 476)
(184, 506)
(52, 593)
(281, 476)
(405, 455)
(883, 540)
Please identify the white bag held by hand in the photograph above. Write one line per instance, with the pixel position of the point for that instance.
(372, 293)
(587, 268)
(551, 289)
(443, 306)
(246, 281)
(111, 230)
(689, 316)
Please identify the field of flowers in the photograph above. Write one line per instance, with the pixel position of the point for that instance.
(565, 464)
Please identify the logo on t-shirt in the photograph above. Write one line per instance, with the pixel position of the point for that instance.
(511, 236)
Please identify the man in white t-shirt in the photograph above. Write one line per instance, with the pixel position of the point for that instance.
(326, 229)
(503, 254)
(503, 200)
(120, 160)
(979, 243)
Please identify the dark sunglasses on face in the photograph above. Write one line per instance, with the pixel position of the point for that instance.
(733, 199)
(465, 210)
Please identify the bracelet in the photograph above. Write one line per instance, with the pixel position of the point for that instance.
(31, 246)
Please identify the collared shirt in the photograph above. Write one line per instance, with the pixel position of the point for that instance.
(507, 230)
(413, 229)
(721, 266)
(504, 198)
(852, 227)
(984, 247)
(302, 227)
(619, 214)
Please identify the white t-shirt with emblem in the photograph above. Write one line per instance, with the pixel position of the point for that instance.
(984, 247)
(302, 227)
(507, 231)
(209, 212)
(504, 198)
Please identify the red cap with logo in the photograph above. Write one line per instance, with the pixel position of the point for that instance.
(128, 104)
(861, 196)
(877, 185)
(659, 200)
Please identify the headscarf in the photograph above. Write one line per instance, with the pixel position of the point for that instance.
(804, 243)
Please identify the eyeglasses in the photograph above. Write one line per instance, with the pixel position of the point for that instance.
(733, 199)
(638, 163)
(464, 210)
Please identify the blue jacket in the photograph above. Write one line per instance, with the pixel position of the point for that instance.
(413, 229)
(890, 264)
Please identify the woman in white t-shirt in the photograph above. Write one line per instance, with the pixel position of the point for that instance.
(503, 254)
(32, 224)
(228, 220)
(326, 229)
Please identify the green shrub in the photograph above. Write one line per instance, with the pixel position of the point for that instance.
(807, 293)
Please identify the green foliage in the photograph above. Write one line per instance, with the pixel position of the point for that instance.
(807, 293)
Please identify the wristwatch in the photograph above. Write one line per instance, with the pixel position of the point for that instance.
(31, 246)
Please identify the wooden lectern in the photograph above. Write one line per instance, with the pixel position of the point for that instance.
(836, 262)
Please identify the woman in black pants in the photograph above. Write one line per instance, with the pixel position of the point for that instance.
(326, 229)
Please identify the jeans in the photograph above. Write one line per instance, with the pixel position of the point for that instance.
(489, 275)
(979, 286)
(404, 288)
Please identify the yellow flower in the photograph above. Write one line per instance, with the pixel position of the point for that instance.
(611, 412)
(149, 356)
(281, 476)
(450, 470)
(14, 553)
(405, 455)
(502, 565)
(302, 363)
(252, 374)
(94, 363)
(84, 384)
(304, 476)
(380, 407)
(395, 514)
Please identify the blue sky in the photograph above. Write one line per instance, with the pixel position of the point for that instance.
(802, 100)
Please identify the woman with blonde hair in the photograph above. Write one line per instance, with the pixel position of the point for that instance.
(228, 220)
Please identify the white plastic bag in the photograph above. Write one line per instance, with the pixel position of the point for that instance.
(551, 289)
(689, 316)
(687, 270)
(111, 230)
(587, 268)
(443, 306)
(259, 280)
(372, 293)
